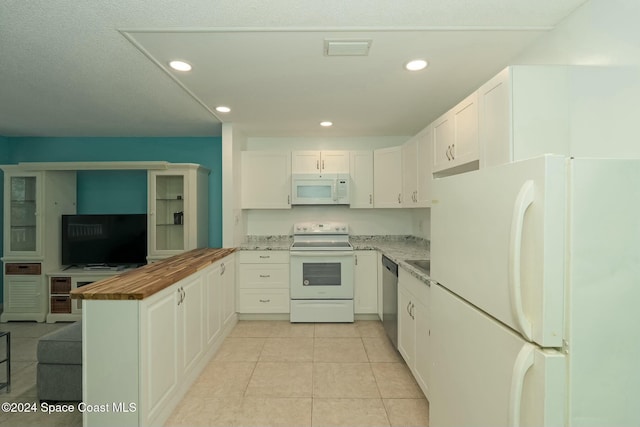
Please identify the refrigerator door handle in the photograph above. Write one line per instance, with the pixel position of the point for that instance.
(523, 363)
(522, 203)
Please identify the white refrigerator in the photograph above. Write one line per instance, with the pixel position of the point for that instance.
(536, 311)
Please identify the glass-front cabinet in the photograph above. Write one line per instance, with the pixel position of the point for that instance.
(33, 204)
(23, 222)
(169, 212)
(178, 210)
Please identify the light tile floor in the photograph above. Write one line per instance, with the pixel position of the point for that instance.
(274, 373)
(266, 373)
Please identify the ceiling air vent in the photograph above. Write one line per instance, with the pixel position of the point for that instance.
(347, 47)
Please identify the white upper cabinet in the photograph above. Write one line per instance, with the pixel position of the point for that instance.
(319, 162)
(424, 165)
(416, 170)
(178, 210)
(410, 172)
(266, 180)
(387, 177)
(455, 137)
(361, 172)
(524, 113)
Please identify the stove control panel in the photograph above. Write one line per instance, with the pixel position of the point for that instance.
(320, 228)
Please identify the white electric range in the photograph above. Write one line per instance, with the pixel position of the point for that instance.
(321, 265)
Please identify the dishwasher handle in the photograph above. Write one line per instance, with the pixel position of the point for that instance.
(391, 266)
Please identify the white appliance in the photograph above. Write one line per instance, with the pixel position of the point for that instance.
(323, 189)
(321, 281)
(535, 316)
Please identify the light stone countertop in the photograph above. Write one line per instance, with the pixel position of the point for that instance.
(397, 248)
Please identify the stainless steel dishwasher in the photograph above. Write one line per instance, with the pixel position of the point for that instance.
(390, 299)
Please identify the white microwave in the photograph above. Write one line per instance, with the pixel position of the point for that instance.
(325, 189)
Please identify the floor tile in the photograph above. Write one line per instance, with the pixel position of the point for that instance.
(252, 329)
(342, 350)
(287, 350)
(335, 330)
(408, 412)
(344, 380)
(380, 350)
(240, 349)
(287, 329)
(205, 412)
(274, 412)
(370, 328)
(223, 379)
(394, 380)
(349, 412)
(278, 379)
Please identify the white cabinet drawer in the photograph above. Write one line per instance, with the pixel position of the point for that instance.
(253, 257)
(263, 300)
(262, 276)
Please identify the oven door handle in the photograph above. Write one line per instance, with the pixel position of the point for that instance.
(318, 254)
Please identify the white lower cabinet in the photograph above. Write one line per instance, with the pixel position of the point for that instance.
(414, 332)
(366, 282)
(147, 353)
(263, 282)
(227, 279)
(25, 298)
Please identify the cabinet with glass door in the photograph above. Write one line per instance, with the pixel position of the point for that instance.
(178, 210)
(33, 204)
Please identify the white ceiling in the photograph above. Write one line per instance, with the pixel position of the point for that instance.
(98, 67)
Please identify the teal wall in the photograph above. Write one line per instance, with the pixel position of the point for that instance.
(126, 191)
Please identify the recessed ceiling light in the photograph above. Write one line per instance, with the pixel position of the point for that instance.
(326, 124)
(180, 66)
(416, 65)
(223, 109)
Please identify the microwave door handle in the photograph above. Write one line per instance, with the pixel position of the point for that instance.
(335, 190)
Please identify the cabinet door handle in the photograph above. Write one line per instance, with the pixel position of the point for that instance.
(356, 259)
(453, 151)
(223, 268)
(370, 199)
(288, 200)
(265, 276)
(318, 164)
(323, 165)
(265, 300)
(265, 256)
(399, 198)
(409, 308)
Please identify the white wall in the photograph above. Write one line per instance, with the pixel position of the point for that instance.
(351, 143)
(603, 34)
(233, 218)
(361, 221)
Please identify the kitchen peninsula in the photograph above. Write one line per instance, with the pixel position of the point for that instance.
(149, 332)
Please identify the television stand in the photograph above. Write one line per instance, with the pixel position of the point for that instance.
(61, 282)
(103, 267)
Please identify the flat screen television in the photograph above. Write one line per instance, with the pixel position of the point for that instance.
(109, 239)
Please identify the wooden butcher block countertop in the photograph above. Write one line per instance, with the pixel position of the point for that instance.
(152, 278)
